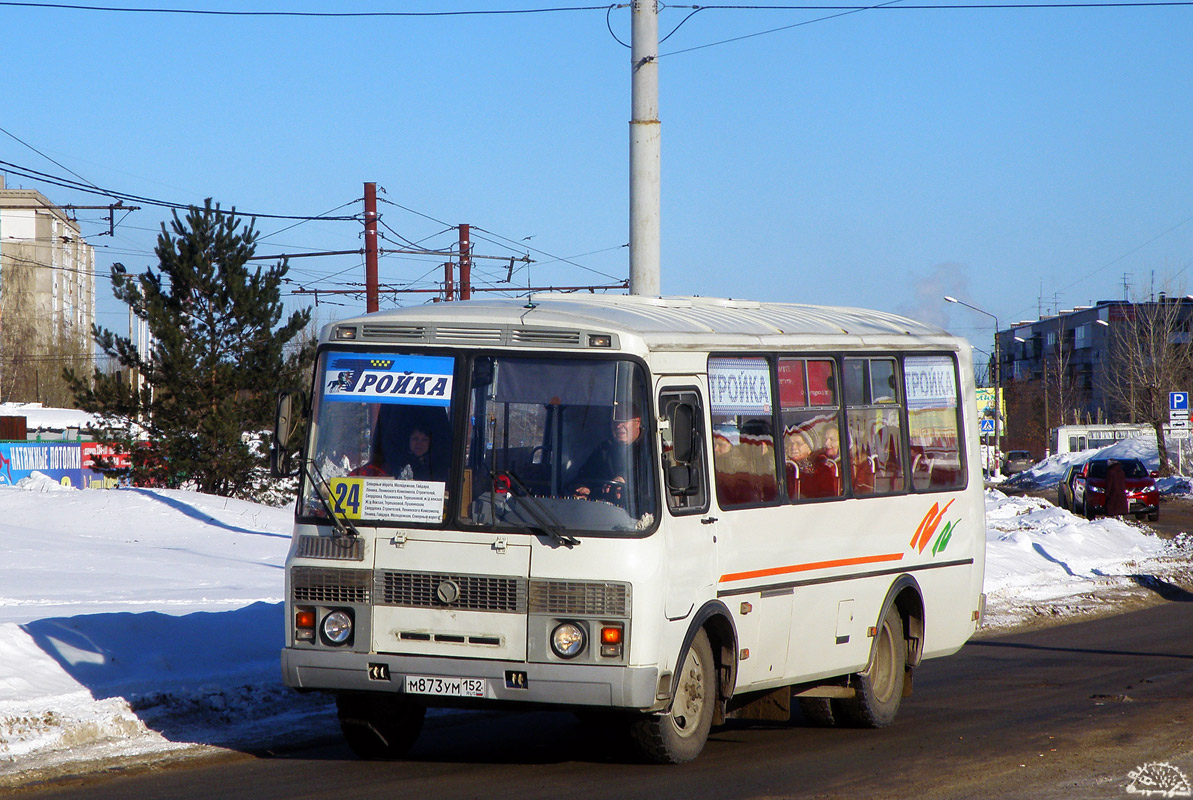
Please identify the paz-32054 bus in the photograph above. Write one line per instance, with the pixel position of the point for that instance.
(675, 510)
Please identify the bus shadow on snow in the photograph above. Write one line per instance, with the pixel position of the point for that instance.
(205, 678)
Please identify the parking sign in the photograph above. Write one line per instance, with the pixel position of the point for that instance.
(1178, 401)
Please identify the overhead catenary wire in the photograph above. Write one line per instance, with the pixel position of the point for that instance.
(317, 14)
(66, 183)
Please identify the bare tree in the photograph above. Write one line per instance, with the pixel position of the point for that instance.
(1150, 356)
(1060, 390)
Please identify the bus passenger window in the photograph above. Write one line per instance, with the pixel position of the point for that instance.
(934, 428)
(875, 426)
(743, 436)
(811, 433)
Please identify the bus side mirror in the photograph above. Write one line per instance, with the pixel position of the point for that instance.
(286, 423)
(681, 475)
(683, 432)
(681, 479)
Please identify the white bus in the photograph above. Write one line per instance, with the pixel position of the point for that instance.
(675, 510)
(1075, 438)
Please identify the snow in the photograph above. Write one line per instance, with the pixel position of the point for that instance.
(138, 623)
(40, 418)
(1048, 472)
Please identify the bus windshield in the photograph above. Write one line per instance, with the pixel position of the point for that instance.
(558, 443)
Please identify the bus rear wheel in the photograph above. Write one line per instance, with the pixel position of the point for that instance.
(679, 735)
(880, 687)
(377, 727)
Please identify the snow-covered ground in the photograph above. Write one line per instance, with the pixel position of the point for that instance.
(139, 622)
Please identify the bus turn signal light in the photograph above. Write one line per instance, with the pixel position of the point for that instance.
(304, 624)
(611, 641)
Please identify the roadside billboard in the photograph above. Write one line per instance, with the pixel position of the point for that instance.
(68, 464)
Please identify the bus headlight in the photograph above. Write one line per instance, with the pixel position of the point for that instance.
(337, 627)
(567, 640)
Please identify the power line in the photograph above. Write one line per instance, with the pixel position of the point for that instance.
(208, 12)
(894, 5)
(66, 183)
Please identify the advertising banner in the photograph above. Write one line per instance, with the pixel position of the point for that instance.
(70, 464)
(60, 462)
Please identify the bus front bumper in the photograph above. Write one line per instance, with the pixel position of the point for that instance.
(505, 682)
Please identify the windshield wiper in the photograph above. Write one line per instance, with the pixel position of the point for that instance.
(344, 528)
(547, 524)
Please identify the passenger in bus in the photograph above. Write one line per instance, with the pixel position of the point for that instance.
(415, 464)
(797, 454)
(605, 472)
(825, 478)
(758, 451)
(724, 436)
(832, 444)
(861, 470)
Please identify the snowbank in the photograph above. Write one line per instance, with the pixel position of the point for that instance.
(1048, 472)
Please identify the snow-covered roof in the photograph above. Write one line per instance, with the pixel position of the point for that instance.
(39, 418)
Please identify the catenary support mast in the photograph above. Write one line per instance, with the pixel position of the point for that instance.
(645, 145)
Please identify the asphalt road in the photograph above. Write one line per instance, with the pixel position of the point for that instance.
(1065, 712)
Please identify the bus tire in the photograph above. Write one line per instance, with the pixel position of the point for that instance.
(379, 727)
(880, 687)
(817, 711)
(679, 735)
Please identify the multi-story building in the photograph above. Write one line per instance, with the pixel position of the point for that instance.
(47, 297)
(1069, 368)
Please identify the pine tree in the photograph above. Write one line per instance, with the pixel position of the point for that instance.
(218, 358)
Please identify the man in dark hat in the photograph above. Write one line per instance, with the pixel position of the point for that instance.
(616, 460)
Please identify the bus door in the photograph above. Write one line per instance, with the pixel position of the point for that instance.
(690, 529)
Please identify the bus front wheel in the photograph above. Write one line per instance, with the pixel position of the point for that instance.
(880, 687)
(379, 727)
(680, 734)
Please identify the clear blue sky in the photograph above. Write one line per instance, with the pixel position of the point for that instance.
(1015, 158)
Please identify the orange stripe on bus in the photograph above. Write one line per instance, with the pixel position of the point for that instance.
(840, 562)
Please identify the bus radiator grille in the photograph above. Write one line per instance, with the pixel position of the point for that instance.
(328, 548)
(580, 598)
(321, 585)
(499, 593)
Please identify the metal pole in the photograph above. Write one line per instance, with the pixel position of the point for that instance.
(465, 262)
(997, 399)
(645, 145)
(371, 299)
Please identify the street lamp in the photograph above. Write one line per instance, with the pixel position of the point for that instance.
(997, 379)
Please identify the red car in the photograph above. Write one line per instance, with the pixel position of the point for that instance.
(1089, 489)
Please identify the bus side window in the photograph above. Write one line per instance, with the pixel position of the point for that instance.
(684, 474)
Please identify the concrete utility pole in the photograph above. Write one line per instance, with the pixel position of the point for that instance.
(371, 296)
(645, 145)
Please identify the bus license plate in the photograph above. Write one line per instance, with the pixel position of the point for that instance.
(446, 687)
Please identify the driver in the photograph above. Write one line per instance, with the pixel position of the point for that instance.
(604, 474)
